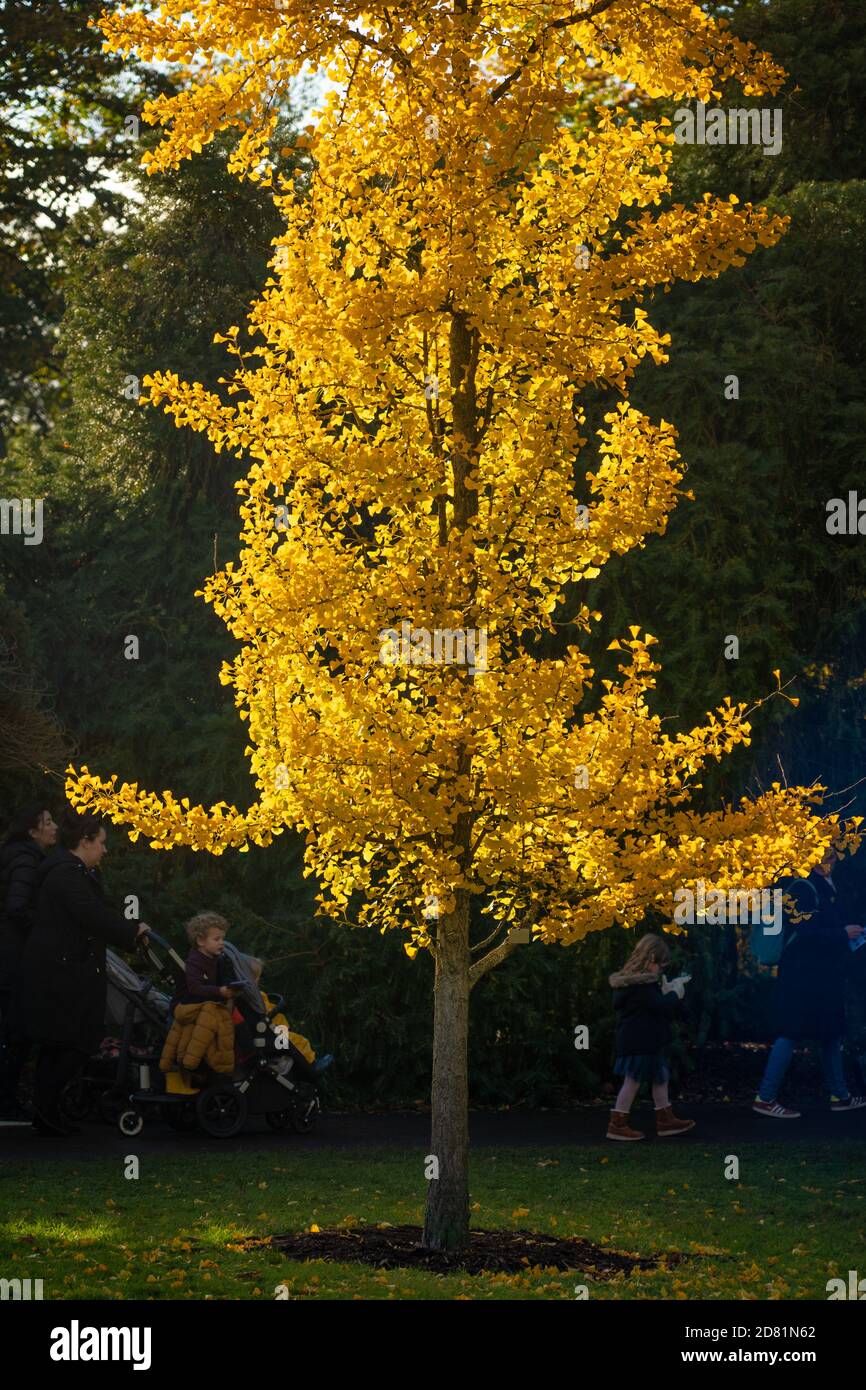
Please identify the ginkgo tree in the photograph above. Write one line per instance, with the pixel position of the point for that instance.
(468, 252)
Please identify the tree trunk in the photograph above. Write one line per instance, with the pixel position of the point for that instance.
(446, 1224)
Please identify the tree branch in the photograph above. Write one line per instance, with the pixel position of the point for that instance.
(493, 958)
(578, 17)
(367, 42)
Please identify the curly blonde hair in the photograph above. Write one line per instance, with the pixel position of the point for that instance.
(203, 922)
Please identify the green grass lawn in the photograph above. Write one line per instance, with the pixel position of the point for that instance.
(796, 1217)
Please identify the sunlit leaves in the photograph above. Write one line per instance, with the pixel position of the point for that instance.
(463, 261)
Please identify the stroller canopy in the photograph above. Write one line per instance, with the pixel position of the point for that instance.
(123, 982)
(241, 971)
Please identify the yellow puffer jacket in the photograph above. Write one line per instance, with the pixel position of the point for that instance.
(200, 1033)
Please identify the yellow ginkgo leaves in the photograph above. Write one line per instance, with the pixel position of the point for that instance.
(470, 249)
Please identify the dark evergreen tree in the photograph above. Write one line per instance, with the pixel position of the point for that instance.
(67, 120)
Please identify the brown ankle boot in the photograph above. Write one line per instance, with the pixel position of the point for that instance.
(618, 1127)
(667, 1123)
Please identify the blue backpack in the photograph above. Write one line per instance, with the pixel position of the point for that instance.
(767, 947)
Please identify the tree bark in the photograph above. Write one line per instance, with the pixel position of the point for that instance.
(446, 1224)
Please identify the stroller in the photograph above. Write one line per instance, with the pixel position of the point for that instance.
(267, 1079)
(136, 1022)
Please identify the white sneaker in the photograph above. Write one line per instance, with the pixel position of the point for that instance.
(775, 1110)
(852, 1103)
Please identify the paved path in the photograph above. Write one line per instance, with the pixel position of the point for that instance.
(719, 1126)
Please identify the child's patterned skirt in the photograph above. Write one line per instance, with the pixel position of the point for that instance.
(643, 1066)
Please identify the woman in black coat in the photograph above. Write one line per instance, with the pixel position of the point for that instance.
(810, 991)
(62, 986)
(31, 835)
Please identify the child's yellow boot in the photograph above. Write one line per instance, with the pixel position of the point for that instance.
(176, 1085)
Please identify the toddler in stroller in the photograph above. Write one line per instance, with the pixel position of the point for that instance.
(202, 1032)
(261, 1077)
(297, 1047)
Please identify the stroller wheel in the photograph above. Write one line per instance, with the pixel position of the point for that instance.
(304, 1111)
(130, 1123)
(221, 1110)
(75, 1102)
(112, 1106)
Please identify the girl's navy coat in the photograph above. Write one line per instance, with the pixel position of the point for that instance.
(643, 1013)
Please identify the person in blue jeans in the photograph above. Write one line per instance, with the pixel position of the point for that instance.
(810, 998)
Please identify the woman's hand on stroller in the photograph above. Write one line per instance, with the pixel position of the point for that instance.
(143, 930)
(228, 992)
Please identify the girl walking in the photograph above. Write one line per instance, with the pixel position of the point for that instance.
(644, 1002)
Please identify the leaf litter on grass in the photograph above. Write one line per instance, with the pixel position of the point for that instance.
(501, 1251)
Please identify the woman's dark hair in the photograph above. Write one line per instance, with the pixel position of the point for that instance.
(27, 819)
(75, 828)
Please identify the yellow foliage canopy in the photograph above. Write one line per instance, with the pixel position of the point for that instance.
(466, 256)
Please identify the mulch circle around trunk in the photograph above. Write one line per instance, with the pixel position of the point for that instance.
(508, 1252)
